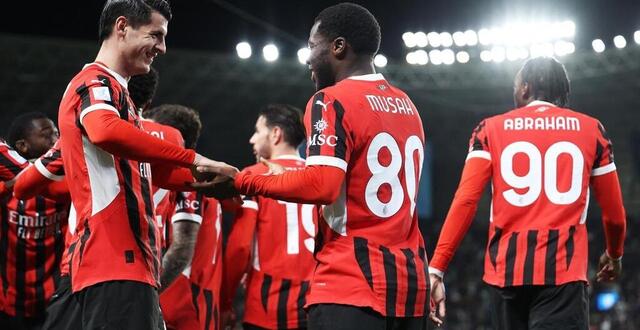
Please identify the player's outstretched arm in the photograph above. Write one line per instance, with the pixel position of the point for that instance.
(607, 191)
(108, 131)
(315, 184)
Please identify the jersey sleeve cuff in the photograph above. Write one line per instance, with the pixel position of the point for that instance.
(479, 154)
(327, 160)
(183, 216)
(436, 271)
(95, 107)
(45, 172)
(615, 259)
(604, 169)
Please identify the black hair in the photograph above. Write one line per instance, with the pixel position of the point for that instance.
(137, 12)
(354, 23)
(21, 125)
(547, 80)
(142, 87)
(288, 118)
(184, 119)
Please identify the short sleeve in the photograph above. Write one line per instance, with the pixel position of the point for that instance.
(479, 142)
(189, 207)
(50, 164)
(603, 162)
(328, 133)
(97, 93)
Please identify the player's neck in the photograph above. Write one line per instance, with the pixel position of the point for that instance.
(357, 68)
(284, 151)
(108, 56)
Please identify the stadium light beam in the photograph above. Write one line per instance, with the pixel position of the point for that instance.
(485, 56)
(460, 39)
(303, 55)
(422, 58)
(421, 39)
(243, 49)
(270, 53)
(446, 40)
(380, 61)
(620, 41)
(462, 57)
(471, 37)
(434, 39)
(598, 45)
(409, 39)
(448, 56)
(498, 54)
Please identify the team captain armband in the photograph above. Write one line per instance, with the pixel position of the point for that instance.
(327, 140)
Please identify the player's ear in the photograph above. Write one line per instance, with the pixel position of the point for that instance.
(276, 135)
(22, 146)
(121, 26)
(525, 90)
(339, 47)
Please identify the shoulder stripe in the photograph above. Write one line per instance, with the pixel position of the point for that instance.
(604, 169)
(45, 172)
(327, 160)
(479, 154)
(95, 107)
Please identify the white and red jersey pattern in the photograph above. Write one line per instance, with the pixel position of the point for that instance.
(112, 195)
(370, 250)
(542, 158)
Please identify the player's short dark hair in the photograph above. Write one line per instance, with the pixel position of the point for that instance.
(142, 87)
(288, 118)
(184, 119)
(547, 80)
(352, 22)
(137, 12)
(21, 125)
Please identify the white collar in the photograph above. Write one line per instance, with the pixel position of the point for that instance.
(539, 102)
(293, 157)
(368, 77)
(118, 77)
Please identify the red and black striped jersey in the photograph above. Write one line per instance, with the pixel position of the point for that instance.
(202, 279)
(32, 242)
(370, 251)
(282, 263)
(116, 236)
(542, 158)
(32, 237)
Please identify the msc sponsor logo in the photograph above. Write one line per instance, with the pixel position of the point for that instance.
(322, 139)
(188, 204)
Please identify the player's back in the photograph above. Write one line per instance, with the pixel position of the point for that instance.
(373, 131)
(542, 159)
(282, 257)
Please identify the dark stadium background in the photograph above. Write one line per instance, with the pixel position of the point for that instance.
(43, 44)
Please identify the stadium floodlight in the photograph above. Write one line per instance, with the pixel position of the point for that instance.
(448, 56)
(445, 39)
(270, 53)
(435, 56)
(411, 58)
(598, 46)
(513, 54)
(380, 61)
(434, 39)
(459, 39)
(543, 49)
(471, 37)
(486, 56)
(462, 57)
(620, 41)
(422, 58)
(484, 36)
(562, 48)
(567, 29)
(421, 39)
(409, 39)
(303, 55)
(243, 49)
(498, 54)
(636, 37)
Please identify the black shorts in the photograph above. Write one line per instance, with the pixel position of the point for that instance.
(20, 323)
(345, 317)
(541, 307)
(63, 311)
(107, 305)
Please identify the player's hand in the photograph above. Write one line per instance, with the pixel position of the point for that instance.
(610, 268)
(220, 187)
(274, 169)
(438, 310)
(228, 319)
(208, 166)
